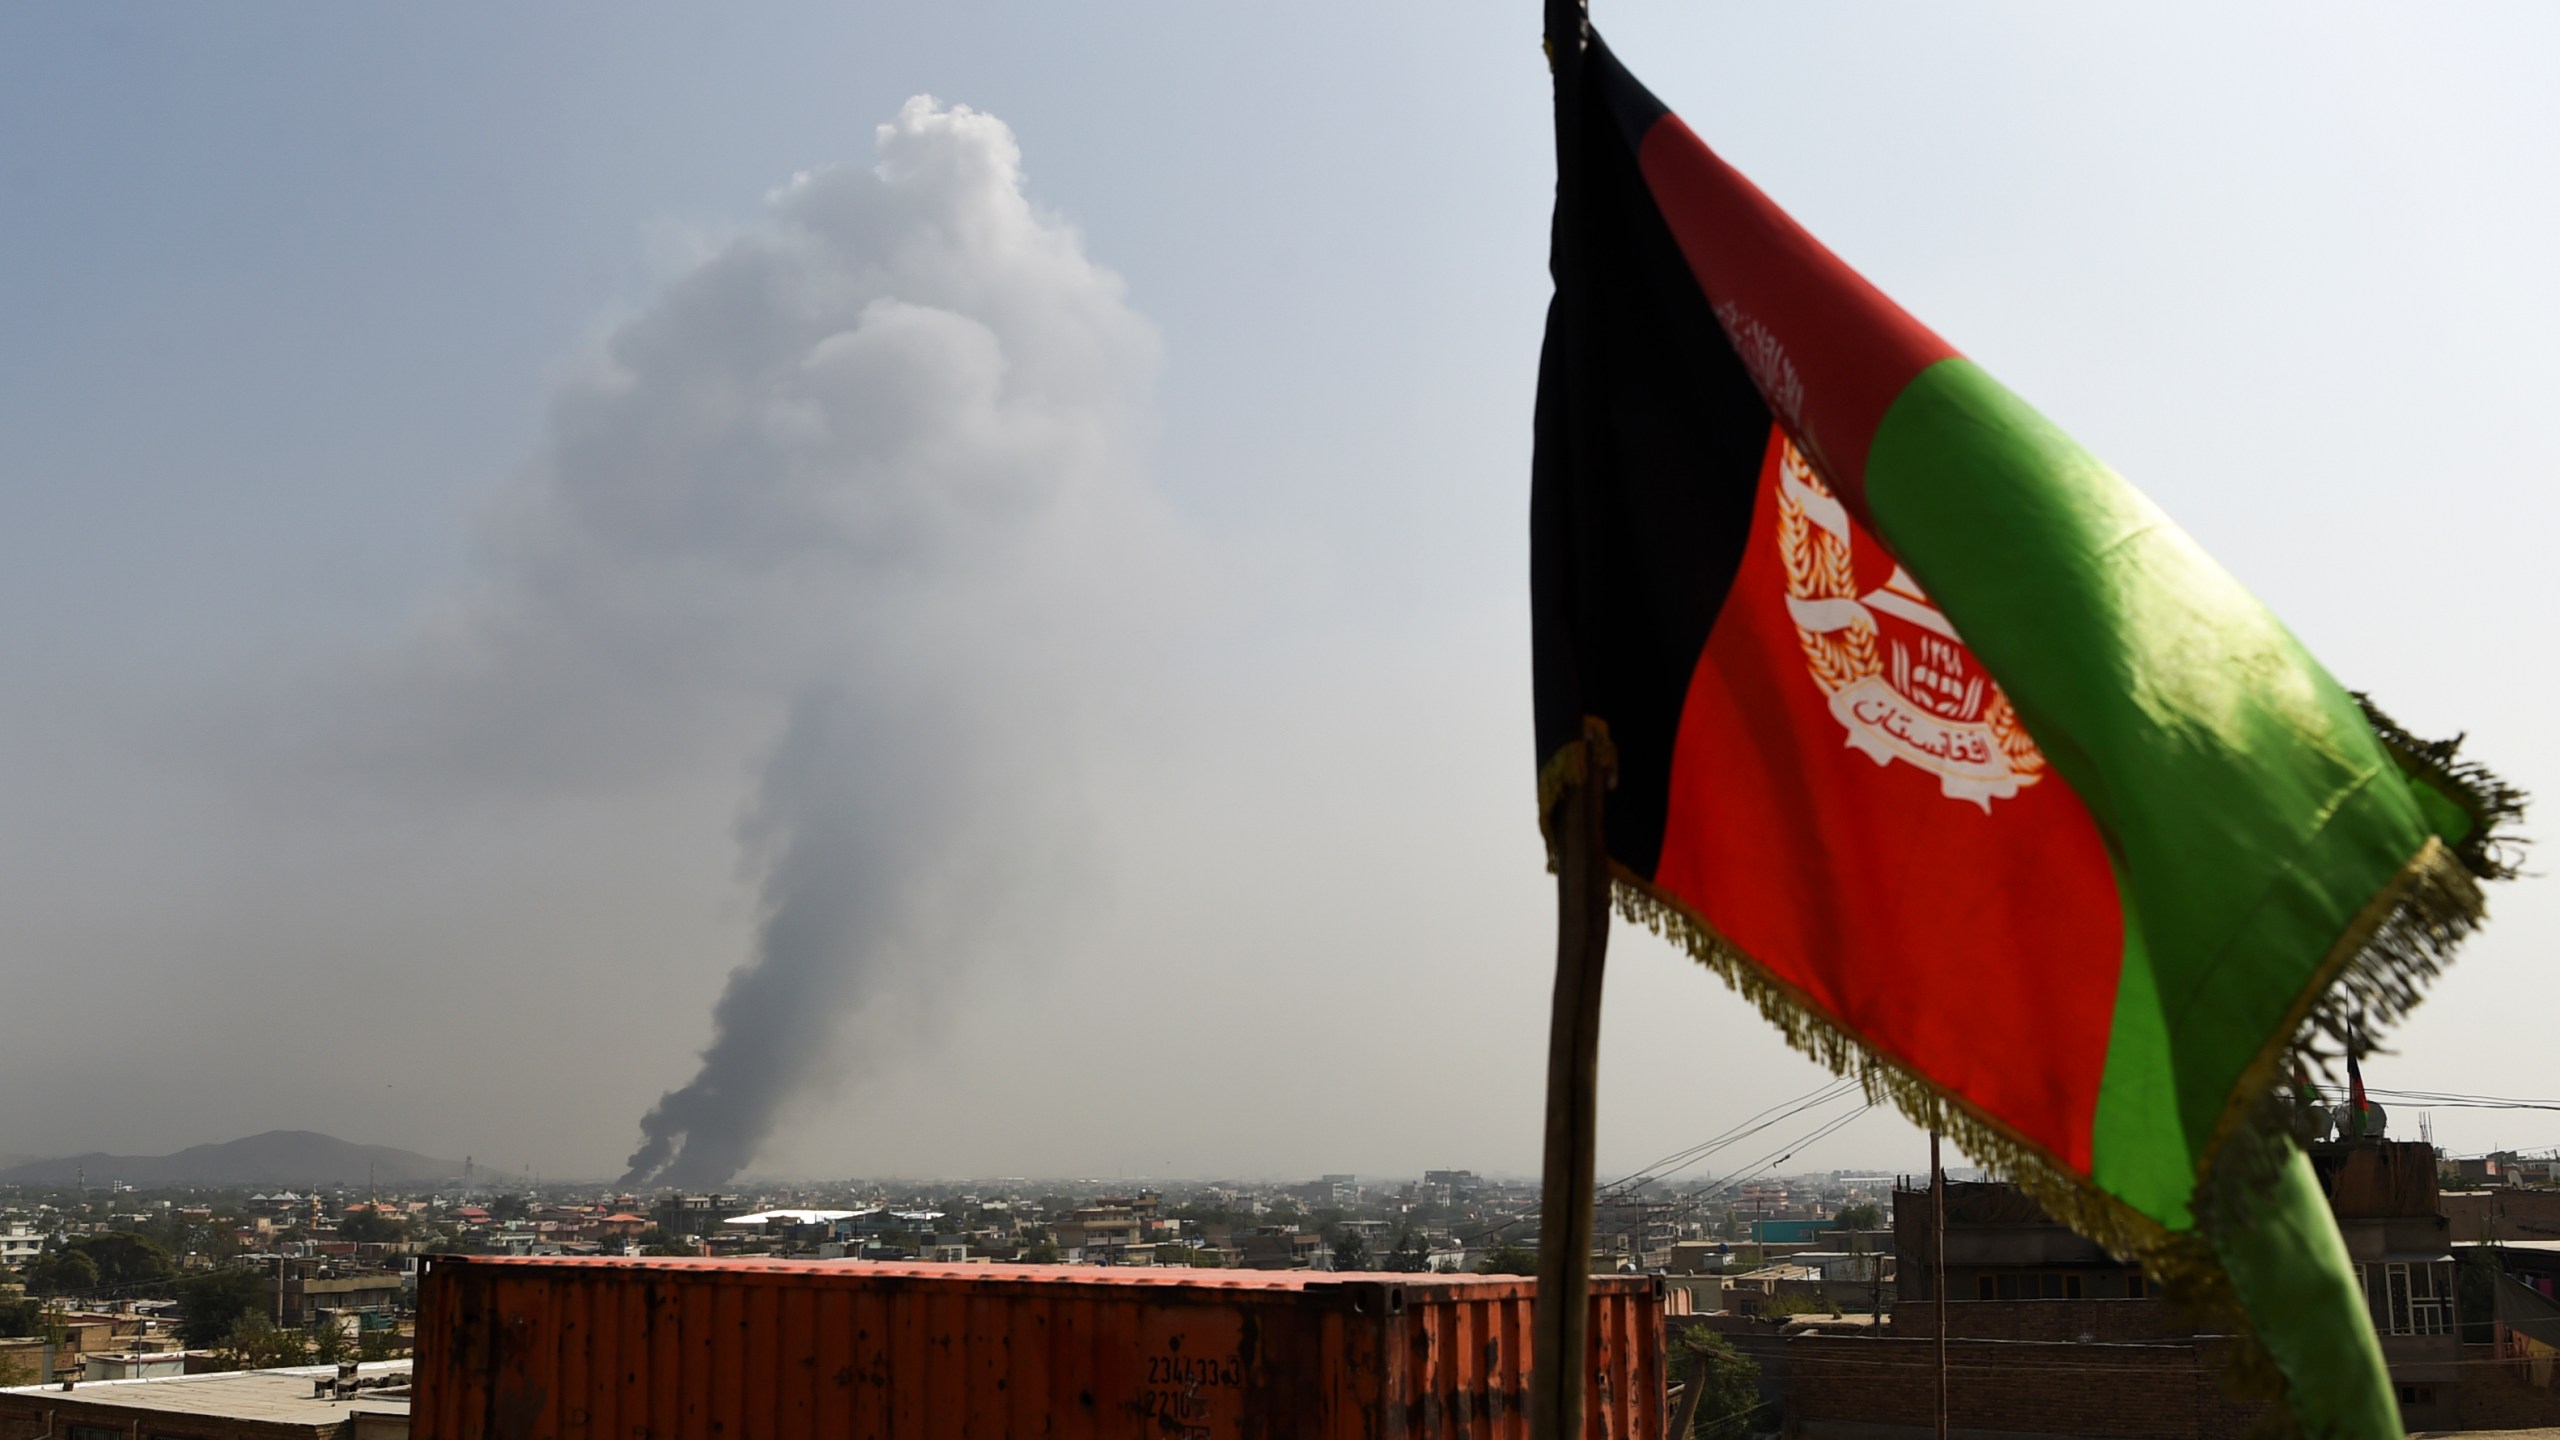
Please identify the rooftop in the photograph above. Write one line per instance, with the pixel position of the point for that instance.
(792, 1217)
(280, 1396)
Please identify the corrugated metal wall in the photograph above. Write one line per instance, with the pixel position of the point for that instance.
(533, 1349)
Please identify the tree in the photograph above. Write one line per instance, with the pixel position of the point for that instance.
(1350, 1252)
(210, 1305)
(1857, 1217)
(368, 1225)
(509, 1207)
(257, 1343)
(1412, 1255)
(62, 1272)
(20, 1316)
(1207, 1212)
(1508, 1259)
(376, 1345)
(329, 1344)
(1728, 1380)
(125, 1260)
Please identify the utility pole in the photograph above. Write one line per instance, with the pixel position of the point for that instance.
(1875, 1293)
(1938, 1269)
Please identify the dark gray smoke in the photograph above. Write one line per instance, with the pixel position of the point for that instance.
(926, 405)
(858, 493)
(881, 834)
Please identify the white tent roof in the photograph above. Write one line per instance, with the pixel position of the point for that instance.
(791, 1217)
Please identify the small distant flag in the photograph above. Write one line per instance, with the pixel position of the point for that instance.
(2359, 1109)
(1951, 751)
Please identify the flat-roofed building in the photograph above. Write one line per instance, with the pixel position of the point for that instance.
(309, 1402)
(19, 1244)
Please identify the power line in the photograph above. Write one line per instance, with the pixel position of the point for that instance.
(1812, 1099)
(2451, 1100)
(1774, 1158)
(1777, 1158)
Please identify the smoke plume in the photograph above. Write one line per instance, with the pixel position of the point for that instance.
(860, 493)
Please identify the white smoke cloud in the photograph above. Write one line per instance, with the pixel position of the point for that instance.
(862, 493)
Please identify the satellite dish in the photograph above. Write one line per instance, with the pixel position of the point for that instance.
(2322, 1123)
(2377, 1121)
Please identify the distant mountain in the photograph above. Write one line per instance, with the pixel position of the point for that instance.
(279, 1157)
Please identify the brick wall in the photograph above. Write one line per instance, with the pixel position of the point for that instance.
(1765, 1345)
(2101, 1320)
(2151, 1391)
(2478, 1215)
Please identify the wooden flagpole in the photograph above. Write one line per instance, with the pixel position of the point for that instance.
(1560, 1342)
(1560, 1324)
(1938, 1270)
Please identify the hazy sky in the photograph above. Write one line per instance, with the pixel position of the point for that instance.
(404, 718)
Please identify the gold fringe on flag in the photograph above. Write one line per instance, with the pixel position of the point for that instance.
(2374, 975)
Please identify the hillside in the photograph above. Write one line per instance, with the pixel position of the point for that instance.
(278, 1157)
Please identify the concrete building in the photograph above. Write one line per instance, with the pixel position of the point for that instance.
(696, 1214)
(316, 1290)
(1634, 1233)
(1099, 1231)
(2001, 1245)
(2384, 1195)
(315, 1402)
(2477, 1216)
(2025, 1292)
(1328, 1191)
(133, 1365)
(1275, 1248)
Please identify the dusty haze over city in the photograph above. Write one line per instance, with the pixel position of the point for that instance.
(507, 519)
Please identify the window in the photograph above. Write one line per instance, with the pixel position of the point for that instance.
(2431, 1299)
(95, 1432)
(2135, 1286)
(2417, 1394)
(2028, 1285)
(2408, 1297)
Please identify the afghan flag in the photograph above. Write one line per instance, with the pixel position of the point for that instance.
(2359, 1107)
(1950, 750)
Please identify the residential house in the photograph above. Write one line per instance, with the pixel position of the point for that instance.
(19, 1243)
(1275, 1247)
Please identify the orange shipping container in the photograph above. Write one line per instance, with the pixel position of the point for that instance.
(680, 1349)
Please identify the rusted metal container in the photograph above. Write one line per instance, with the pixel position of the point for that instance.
(680, 1349)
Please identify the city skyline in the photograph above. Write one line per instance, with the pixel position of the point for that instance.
(320, 822)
